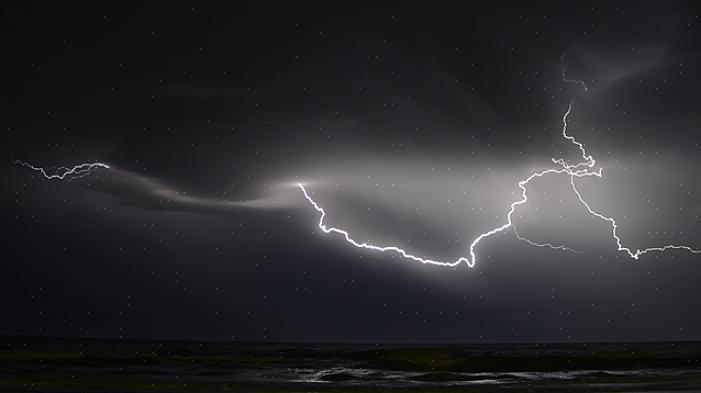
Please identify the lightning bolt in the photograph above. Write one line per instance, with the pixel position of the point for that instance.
(584, 168)
(614, 228)
(62, 172)
(545, 245)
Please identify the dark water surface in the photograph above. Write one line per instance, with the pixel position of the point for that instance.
(76, 365)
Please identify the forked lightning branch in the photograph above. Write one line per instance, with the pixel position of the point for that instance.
(584, 167)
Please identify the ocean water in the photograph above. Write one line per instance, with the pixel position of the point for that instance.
(77, 365)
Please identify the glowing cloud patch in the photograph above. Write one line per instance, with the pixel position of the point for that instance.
(583, 168)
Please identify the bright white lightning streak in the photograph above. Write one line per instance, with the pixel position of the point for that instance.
(614, 228)
(581, 169)
(473, 257)
(63, 172)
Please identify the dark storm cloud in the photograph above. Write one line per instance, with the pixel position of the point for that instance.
(213, 92)
(605, 70)
(409, 125)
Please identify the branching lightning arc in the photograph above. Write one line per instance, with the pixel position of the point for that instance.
(585, 167)
(62, 172)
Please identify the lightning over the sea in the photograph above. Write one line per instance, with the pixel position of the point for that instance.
(583, 168)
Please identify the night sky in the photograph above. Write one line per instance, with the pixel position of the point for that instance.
(411, 126)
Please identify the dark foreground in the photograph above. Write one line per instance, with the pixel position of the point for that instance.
(77, 365)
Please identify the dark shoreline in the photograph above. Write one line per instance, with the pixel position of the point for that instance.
(92, 364)
(4, 337)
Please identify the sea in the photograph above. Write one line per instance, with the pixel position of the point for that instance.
(43, 364)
